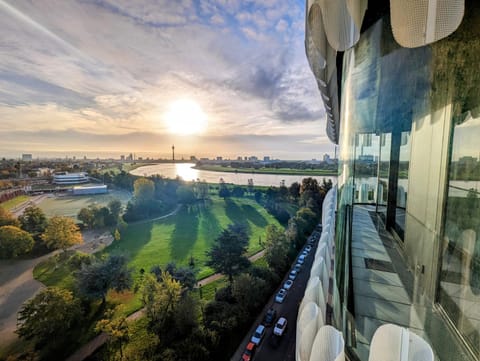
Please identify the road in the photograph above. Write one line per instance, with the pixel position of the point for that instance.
(272, 348)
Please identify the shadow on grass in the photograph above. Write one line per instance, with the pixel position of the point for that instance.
(134, 238)
(185, 233)
(254, 216)
(236, 214)
(210, 225)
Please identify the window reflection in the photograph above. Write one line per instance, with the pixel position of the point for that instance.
(460, 277)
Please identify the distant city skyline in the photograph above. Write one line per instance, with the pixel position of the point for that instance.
(212, 77)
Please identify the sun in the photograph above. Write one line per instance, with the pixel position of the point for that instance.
(185, 117)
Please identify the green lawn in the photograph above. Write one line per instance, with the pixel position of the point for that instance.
(190, 233)
(14, 202)
(70, 205)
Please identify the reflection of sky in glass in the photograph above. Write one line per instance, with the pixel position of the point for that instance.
(465, 141)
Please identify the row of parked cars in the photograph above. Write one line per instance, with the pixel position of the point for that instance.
(280, 297)
(270, 316)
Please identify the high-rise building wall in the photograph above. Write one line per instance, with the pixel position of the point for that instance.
(409, 120)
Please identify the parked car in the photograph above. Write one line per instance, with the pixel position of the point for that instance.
(270, 316)
(280, 326)
(301, 259)
(258, 335)
(297, 267)
(288, 284)
(249, 352)
(281, 295)
(292, 275)
(308, 248)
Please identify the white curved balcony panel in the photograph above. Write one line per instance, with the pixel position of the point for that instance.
(340, 28)
(420, 22)
(395, 343)
(328, 345)
(316, 30)
(357, 9)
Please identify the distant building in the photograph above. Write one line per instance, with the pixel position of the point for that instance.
(204, 159)
(27, 157)
(193, 158)
(122, 157)
(219, 158)
(326, 158)
(253, 158)
(70, 178)
(266, 158)
(83, 190)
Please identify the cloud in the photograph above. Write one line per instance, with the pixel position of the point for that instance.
(115, 73)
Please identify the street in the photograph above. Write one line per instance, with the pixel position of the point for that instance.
(273, 348)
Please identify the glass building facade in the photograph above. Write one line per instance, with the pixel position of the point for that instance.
(409, 144)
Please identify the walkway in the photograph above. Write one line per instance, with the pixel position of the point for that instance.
(384, 290)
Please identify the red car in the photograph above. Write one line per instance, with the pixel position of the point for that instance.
(249, 351)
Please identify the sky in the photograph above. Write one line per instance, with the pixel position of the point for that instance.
(100, 78)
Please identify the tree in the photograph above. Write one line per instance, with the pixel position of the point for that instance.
(143, 190)
(115, 207)
(227, 255)
(48, 316)
(185, 195)
(7, 218)
(14, 242)
(276, 249)
(61, 233)
(160, 300)
(249, 291)
(33, 220)
(116, 328)
(94, 280)
(294, 190)
(87, 216)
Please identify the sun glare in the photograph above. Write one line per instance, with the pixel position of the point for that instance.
(186, 117)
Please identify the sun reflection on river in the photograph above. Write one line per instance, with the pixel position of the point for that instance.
(186, 172)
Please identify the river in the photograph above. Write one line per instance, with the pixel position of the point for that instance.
(186, 172)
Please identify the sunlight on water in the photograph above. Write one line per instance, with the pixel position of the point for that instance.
(186, 172)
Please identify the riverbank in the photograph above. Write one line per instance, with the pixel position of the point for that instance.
(279, 171)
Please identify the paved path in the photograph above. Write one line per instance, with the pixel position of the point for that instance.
(35, 200)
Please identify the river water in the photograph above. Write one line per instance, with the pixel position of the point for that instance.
(186, 172)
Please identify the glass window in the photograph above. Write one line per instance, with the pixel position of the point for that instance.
(459, 291)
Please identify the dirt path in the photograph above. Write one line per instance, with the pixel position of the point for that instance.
(35, 200)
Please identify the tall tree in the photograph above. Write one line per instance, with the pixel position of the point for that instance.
(48, 316)
(61, 233)
(227, 255)
(276, 249)
(14, 242)
(143, 190)
(33, 220)
(95, 279)
(7, 218)
(115, 207)
(116, 327)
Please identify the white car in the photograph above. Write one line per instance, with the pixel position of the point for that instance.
(288, 284)
(280, 326)
(292, 275)
(308, 248)
(281, 295)
(258, 335)
(301, 259)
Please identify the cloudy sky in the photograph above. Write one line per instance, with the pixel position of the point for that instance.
(100, 77)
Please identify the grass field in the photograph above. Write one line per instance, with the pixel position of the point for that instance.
(14, 202)
(70, 205)
(190, 233)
